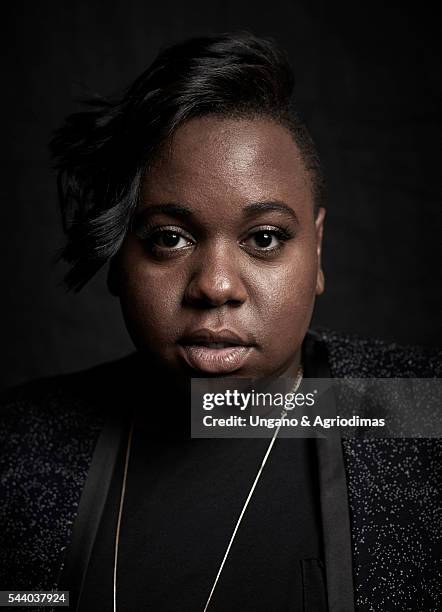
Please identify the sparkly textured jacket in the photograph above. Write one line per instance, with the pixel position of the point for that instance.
(379, 516)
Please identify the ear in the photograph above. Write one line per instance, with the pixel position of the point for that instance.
(113, 274)
(319, 225)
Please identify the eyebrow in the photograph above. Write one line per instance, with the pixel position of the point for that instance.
(172, 209)
(183, 212)
(259, 207)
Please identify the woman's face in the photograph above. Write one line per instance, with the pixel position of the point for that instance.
(219, 273)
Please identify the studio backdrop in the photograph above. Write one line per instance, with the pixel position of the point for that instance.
(368, 85)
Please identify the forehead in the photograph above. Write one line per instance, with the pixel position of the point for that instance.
(228, 162)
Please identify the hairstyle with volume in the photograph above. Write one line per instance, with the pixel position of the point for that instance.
(102, 153)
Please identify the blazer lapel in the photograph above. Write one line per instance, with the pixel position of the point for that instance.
(333, 490)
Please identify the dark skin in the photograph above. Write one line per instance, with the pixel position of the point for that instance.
(224, 238)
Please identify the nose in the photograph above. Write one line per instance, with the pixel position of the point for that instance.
(216, 279)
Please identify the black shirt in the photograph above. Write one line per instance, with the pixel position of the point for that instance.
(183, 498)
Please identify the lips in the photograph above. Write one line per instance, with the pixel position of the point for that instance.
(215, 352)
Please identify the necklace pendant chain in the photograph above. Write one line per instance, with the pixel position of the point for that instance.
(295, 387)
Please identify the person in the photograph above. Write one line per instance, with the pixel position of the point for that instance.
(202, 189)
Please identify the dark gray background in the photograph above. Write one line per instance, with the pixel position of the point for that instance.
(368, 83)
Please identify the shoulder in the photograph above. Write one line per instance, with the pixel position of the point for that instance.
(68, 398)
(352, 356)
(47, 407)
(57, 419)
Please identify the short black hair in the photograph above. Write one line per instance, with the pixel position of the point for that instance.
(102, 152)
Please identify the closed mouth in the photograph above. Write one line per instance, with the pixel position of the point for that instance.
(215, 352)
(213, 345)
(215, 339)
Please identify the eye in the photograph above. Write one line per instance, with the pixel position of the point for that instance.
(266, 239)
(168, 239)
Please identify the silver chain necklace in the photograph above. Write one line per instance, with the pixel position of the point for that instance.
(298, 380)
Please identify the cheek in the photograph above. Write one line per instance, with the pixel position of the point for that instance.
(288, 295)
(150, 299)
